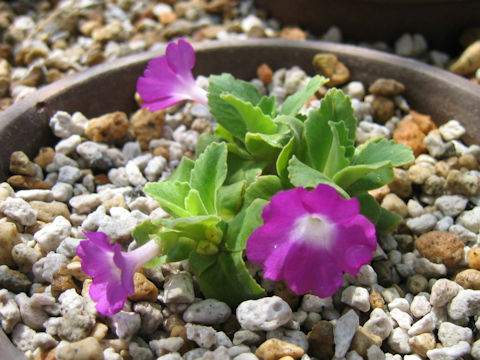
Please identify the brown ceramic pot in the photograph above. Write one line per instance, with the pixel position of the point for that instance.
(111, 87)
(440, 21)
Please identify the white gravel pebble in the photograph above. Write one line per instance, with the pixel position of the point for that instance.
(19, 211)
(379, 323)
(266, 314)
(398, 341)
(125, 324)
(443, 291)
(85, 204)
(420, 305)
(403, 319)
(204, 336)
(450, 334)
(422, 224)
(451, 205)
(62, 191)
(51, 235)
(450, 353)
(465, 303)
(357, 297)
(452, 130)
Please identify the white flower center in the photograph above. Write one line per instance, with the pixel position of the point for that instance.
(314, 229)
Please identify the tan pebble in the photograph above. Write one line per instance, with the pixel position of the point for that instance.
(86, 349)
(383, 109)
(376, 299)
(14, 281)
(442, 168)
(144, 289)
(419, 173)
(440, 247)
(75, 269)
(5, 191)
(425, 122)
(47, 211)
(20, 164)
(469, 61)
(320, 340)
(363, 339)
(420, 344)
(172, 321)
(167, 17)
(386, 87)
(62, 280)
(468, 161)
(45, 156)
(86, 288)
(329, 66)
(401, 183)
(473, 258)
(109, 127)
(434, 185)
(161, 151)
(5, 68)
(25, 256)
(9, 237)
(286, 358)
(99, 331)
(147, 125)
(272, 349)
(393, 203)
(94, 55)
(5, 103)
(380, 193)
(34, 78)
(87, 27)
(101, 179)
(20, 182)
(117, 201)
(112, 31)
(293, 33)
(409, 133)
(4, 86)
(201, 126)
(468, 279)
(283, 291)
(264, 73)
(209, 32)
(461, 183)
(54, 75)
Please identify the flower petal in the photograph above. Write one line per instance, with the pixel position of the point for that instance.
(181, 57)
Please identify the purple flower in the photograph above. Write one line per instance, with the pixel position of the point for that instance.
(168, 79)
(310, 238)
(112, 269)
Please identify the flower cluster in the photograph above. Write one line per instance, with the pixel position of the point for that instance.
(288, 190)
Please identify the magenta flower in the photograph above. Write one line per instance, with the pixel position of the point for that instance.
(168, 79)
(112, 269)
(310, 238)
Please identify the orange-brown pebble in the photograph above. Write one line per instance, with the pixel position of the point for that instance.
(62, 280)
(440, 247)
(420, 344)
(20, 164)
(109, 127)
(423, 121)
(408, 132)
(320, 340)
(386, 87)
(383, 109)
(167, 17)
(473, 258)
(293, 33)
(273, 349)
(144, 289)
(147, 125)
(329, 66)
(376, 299)
(468, 279)
(44, 157)
(264, 73)
(363, 339)
(101, 179)
(161, 151)
(380, 193)
(20, 182)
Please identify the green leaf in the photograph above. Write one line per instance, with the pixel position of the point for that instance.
(203, 141)
(336, 107)
(224, 133)
(252, 116)
(264, 147)
(347, 176)
(268, 105)
(337, 158)
(372, 180)
(228, 280)
(200, 263)
(294, 145)
(193, 227)
(209, 173)
(388, 221)
(369, 207)
(303, 175)
(182, 171)
(263, 187)
(226, 114)
(170, 195)
(146, 231)
(318, 138)
(240, 169)
(294, 103)
(379, 150)
(241, 227)
(230, 199)
(194, 203)
(181, 250)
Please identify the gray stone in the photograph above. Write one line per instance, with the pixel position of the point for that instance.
(207, 312)
(343, 331)
(204, 336)
(450, 334)
(268, 313)
(291, 336)
(451, 205)
(379, 324)
(19, 211)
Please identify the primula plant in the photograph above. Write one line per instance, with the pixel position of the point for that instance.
(289, 191)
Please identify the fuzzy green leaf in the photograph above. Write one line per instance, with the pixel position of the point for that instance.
(378, 150)
(194, 203)
(268, 105)
(369, 207)
(263, 187)
(182, 171)
(226, 114)
(170, 195)
(348, 175)
(303, 175)
(209, 173)
(337, 158)
(264, 147)
(240, 169)
(388, 221)
(294, 102)
(231, 199)
(372, 180)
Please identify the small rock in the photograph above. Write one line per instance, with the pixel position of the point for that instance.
(207, 312)
(363, 340)
(420, 306)
(468, 279)
(451, 130)
(86, 349)
(465, 303)
(463, 183)
(443, 291)
(343, 331)
(398, 341)
(409, 133)
(204, 336)
(151, 316)
(19, 211)
(357, 297)
(451, 205)
(20, 164)
(440, 247)
(450, 353)
(401, 183)
(145, 290)
(386, 87)
(450, 334)
(422, 224)
(403, 319)
(125, 324)
(293, 33)
(379, 324)
(13, 280)
(383, 109)
(393, 203)
(179, 289)
(417, 283)
(109, 127)
(25, 256)
(420, 344)
(329, 66)
(320, 340)
(9, 237)
(274, 349)
(469, 61)
(266, 314)
(147, 125)
(473, 258)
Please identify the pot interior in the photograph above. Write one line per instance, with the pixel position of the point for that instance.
(111, 87)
